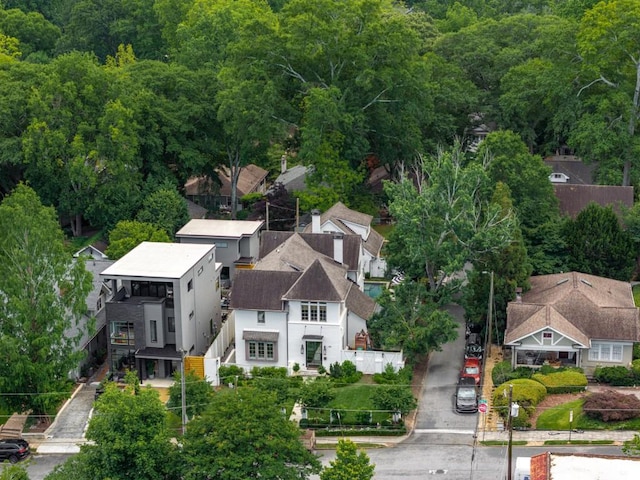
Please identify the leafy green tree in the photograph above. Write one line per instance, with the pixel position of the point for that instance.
(350, 464)
(242, 435)
(511, 269)
(165, 209)
(316, 393)
(81, 144)
(199, 393)
(129, 439)
(443, 219)
(128, 234)
(44, 295)
(34, 32)
(394, 398)
(99, 26)
(597, 244)
(607, 43)
(410, 320)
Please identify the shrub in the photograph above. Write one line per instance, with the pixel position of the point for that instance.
(636, 351)
(390, 376)
(394, 398)
(614, 376)
(322, 370)
(269, 372)
(344, 373)
(228, 374)
(501, 372)
(316, 393)
(522, 372)
(635, 368)
(527, 393)
(567, 381)
(611, 406)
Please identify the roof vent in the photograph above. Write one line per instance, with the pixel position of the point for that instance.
(564, 280)
(586, 282)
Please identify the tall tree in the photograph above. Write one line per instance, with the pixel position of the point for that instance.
(165, 208)
(44, 294)
(129, 439)
(243, 435)
(350, 464)
(444, 218)
(510, 268)
(199, 393)
(410, 320)
(607, 43)
(597, 244)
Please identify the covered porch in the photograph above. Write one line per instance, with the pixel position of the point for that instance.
(527, 356)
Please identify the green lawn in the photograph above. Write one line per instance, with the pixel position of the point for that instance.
(353, 397)
(384, 230)
(557, 418)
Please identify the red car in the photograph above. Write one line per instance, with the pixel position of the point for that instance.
(471, 369)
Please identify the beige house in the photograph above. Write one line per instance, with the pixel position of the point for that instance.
(573, 319)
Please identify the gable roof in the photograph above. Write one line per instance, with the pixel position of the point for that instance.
(311, 276)
(320, 242)
(573, 167)
(249, 180)
(261, 289)
(294, 179)
(341, 217)
(578, 305)
(318, 284)
(575, 198)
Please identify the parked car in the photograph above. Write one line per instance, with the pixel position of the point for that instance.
(471, 369)
(13, 449)
(473, 347)
(466, 395)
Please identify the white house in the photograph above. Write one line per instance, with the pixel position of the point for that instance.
(297, 306)
(339, 218)
(166, 303)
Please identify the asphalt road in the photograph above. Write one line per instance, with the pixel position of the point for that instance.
(417, 459)
(437, 417)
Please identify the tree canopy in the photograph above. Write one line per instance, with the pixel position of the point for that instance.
(44, 295)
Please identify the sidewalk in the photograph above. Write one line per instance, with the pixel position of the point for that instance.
(538, 437)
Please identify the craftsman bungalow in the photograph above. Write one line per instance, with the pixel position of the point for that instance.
(573, 319)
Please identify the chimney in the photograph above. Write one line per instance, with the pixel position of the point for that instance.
(519, 294)
(315, 221)
(283, 163)
(338, 247)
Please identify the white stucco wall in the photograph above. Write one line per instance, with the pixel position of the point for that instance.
(247, 320)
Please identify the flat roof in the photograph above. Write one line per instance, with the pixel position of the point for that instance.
(587, 466)
(220, 228)
(158, 260)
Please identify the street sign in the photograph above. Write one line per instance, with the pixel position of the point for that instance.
(482, 407)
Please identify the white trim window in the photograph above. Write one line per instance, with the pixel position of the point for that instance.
(313, 311)
(605, 352)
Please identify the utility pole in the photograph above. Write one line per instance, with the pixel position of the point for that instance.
(297, 214)
(183, 392)
(267, 216)
(510, 422)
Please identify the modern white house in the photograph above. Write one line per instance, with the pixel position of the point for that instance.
(298, 306)
(166, 304)
(341, 219)
(237, 242)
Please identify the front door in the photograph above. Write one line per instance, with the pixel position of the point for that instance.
(314, 354)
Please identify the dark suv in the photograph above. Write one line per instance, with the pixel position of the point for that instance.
(13, 449)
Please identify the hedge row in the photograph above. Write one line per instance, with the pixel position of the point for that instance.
(619, 376)
(567, 381)
(374, 432)
(526, 393)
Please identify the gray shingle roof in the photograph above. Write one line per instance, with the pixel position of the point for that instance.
(360, 303)
(578, 305)
(575, 198)
(260, 289)
(320, 242)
